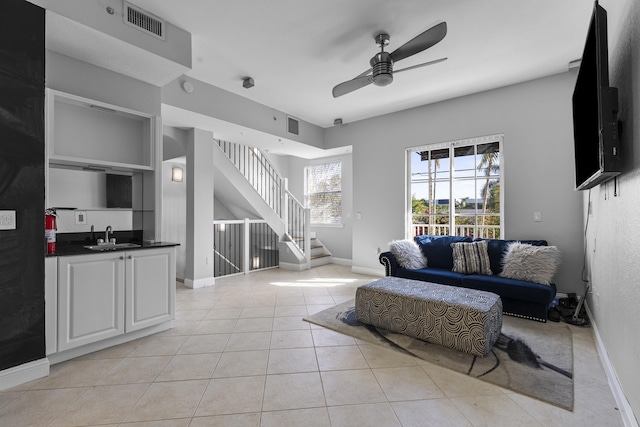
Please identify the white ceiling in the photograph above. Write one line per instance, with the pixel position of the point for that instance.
(297, 50)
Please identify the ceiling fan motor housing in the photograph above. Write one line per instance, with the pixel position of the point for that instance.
(382, 69)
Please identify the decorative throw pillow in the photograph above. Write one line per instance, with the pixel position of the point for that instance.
(496, 248)
(471, 258)
(437, 249)
(537, 264)
(408, 254)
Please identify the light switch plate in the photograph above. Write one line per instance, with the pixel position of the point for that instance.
(7, 220)
(81, 217)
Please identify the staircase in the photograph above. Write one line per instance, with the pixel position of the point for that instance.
(319, 253)
(249, 171)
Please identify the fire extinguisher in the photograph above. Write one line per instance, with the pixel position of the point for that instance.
(50, 230)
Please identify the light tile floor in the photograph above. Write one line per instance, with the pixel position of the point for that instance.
(241, 355)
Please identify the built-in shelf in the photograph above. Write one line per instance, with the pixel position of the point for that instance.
(89, 134)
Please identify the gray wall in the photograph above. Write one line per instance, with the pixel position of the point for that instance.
(229, 108)
(79, 78)
(612, 244)
(174, 212)
(535, 118)
(338, 240)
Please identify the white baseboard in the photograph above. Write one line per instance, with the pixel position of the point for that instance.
(341, 261)
(24, 373)
(626, 411)
(109, 342)
(200, 283)
(293, 267)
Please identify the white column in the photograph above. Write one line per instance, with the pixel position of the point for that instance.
(199, 176)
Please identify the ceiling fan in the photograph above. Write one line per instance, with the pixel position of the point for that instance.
(381, 71)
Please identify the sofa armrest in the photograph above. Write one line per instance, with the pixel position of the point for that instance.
(390, 263)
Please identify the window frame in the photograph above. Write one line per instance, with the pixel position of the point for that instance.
(451, 146)
(336, 220)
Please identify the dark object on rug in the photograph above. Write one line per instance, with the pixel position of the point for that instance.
(520, 352)
(531, 358)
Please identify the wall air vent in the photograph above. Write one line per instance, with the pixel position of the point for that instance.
(293, 126)
(143, 21)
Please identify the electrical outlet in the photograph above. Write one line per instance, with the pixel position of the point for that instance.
(7, 220)
(81, 217)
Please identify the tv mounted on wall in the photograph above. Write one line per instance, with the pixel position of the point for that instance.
(595, 110)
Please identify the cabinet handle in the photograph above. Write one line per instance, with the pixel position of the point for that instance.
(121, 257)
(130, 257)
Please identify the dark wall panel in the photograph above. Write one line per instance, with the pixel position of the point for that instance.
(22, 72)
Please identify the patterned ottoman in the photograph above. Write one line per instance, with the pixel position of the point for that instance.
(464, 319)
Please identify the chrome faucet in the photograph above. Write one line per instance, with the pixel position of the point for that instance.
(106, 234)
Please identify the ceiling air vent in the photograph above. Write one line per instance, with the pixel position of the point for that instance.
(143, 21)
(293, 126)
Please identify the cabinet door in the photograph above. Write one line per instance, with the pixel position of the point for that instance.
(90, 298)
(150, 287)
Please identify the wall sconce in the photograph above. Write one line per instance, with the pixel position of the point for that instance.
(176, 174)
(221, 227)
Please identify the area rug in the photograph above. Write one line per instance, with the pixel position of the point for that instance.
(531, 358)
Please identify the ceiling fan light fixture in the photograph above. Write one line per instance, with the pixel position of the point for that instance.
(382, 69)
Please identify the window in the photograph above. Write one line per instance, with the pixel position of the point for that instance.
(455, 188)
(323, 192)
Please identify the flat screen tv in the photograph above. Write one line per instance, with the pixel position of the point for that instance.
(595, 110)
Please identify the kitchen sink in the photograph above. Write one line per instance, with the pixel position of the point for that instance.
(112, 246)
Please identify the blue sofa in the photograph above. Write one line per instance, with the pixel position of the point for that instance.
(519, 298)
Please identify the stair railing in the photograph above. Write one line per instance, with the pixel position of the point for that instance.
(297, 223)
(273, 189)
(242, 246)
(257, 170)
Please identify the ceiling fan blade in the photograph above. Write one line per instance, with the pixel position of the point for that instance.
(424, 64)
(364, 73)
(351, 85)
(421, 42)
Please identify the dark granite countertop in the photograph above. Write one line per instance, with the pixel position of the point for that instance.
(74, 243)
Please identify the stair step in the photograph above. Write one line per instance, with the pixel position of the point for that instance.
(316, 246)
(319, 256)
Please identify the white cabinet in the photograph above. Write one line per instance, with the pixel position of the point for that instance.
(150, 287)
(90, 298)
(104, 295)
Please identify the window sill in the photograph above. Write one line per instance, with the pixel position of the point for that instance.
(327, 225)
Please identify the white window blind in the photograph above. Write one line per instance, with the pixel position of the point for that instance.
(323, 192)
